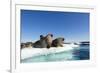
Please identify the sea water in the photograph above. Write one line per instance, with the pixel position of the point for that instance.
(78, 53)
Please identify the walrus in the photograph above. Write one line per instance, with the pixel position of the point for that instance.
(44, 42)
(58, 42)
(23, 45)
(26, 45)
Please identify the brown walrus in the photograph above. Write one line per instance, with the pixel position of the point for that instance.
(44, 42)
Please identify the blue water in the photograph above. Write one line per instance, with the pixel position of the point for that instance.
(80, 53)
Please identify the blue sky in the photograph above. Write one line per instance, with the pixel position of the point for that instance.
(73, 26)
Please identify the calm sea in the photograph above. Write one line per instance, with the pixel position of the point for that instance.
(80, 53)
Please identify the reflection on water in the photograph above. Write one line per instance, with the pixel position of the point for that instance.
(80, 53)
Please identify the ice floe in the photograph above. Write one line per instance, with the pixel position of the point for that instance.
(30, 52)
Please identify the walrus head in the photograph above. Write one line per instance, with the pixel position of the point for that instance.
(49, 39)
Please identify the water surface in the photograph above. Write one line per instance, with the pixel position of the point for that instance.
(79, 53)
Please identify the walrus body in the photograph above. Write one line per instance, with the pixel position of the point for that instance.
(23, 45)
(26, 45)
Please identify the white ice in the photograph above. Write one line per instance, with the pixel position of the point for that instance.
(30, 52)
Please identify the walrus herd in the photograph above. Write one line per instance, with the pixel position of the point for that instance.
(45, 42)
